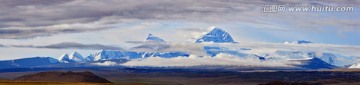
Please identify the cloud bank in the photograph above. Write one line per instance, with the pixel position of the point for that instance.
(219, 60)
(73, 45)
(33, 18)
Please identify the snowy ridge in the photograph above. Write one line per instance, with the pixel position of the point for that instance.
(114, 54)
(107, 54)
(74, 57)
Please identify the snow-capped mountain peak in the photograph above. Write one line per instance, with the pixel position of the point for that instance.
(76, 57)
(64, 57)
(216, 35)
(153, 38)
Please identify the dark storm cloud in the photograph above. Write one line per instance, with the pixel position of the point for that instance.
(27, 33)
(14, 3)
(74, 45)
(20, 18)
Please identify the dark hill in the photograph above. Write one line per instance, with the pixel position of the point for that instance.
(63, 77)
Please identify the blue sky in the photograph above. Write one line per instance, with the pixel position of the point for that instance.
(33, 27)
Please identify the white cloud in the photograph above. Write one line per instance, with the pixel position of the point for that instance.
(45, 14)
(219, 60)
(106, 63)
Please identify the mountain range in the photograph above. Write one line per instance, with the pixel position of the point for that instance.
(307, 60)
